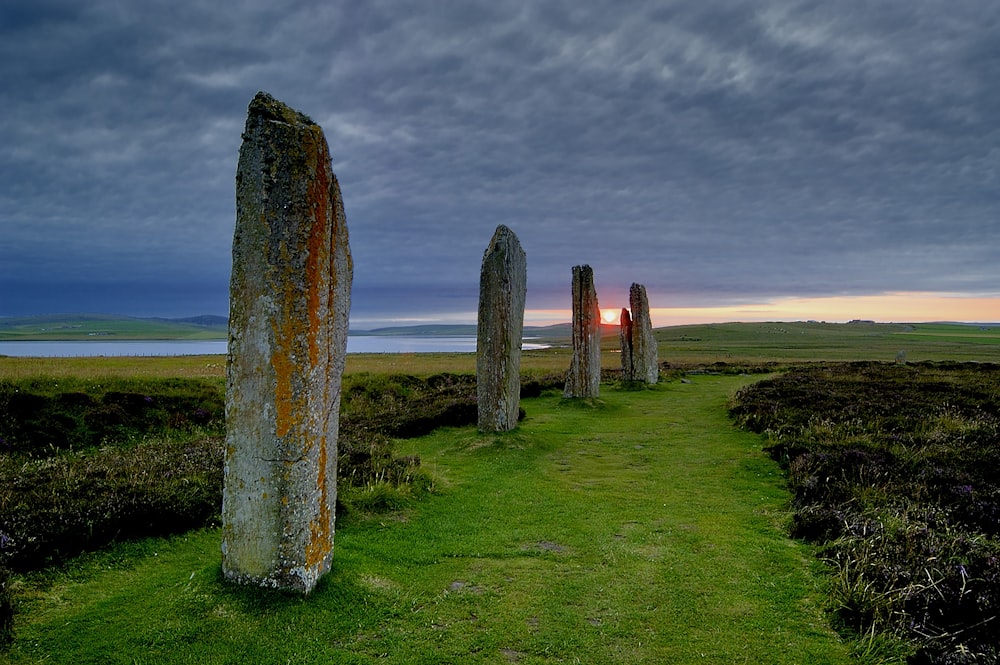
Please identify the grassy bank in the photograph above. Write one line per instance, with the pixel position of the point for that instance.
(894, 470)
(640, 529)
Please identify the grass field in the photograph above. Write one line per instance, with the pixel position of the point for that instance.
(643, 529)
(806, 342)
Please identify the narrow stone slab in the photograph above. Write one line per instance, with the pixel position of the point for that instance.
(584, 378)
(625, 344)
(645, 361)
(502, 288)
(289, 303)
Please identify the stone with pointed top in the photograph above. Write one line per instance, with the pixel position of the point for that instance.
(584, 378)
(502, 289)
(289, 304)
(625, 344)
(643, 361)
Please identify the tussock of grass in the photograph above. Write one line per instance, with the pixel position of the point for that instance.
(895, 469)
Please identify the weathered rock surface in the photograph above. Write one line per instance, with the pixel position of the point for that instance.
(584, 378)
(625, 344)
(645, 362)
(502, 288)
(289, 305)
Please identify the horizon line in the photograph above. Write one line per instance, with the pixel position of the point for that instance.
(422, 322)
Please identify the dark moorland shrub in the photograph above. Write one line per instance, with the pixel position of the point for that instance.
(405, 406)
(55, 508)
(534, 386)
(67, 484)
(85, 464)
(398, 405)
(40, 416)
(895, 472)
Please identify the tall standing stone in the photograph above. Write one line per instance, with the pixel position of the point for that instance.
(625, 344)
(502, 287)
(289, 303)
(645, 363)
(584, 379)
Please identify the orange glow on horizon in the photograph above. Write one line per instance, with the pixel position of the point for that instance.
(902, 307)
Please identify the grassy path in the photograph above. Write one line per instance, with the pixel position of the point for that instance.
(641, 530)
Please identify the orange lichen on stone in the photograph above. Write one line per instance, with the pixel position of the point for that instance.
(284, 417)
(290, 300)
(320, 542)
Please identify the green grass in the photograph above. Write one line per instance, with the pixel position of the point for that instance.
(639, 529)
(126, 367)
(813, 341)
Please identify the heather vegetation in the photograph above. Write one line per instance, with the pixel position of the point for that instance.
(42, 416)
(89, 462)
(378, 408)
(895, 473)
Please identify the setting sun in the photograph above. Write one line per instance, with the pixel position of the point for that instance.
(610, 315)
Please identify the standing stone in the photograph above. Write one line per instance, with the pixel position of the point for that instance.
(502, 286)
(645, 363)
(289, 302)
(584, 379)
(625, 344)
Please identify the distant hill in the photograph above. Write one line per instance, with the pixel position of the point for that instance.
(72, 327)
(454, 330)
(69, 327)
(553, 333)
(205, 320)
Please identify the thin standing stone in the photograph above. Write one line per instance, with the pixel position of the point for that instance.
(289, 303)
(584, 379)
(625, 344)
(502, 288)
(645, 362)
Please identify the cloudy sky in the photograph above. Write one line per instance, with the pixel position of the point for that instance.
(771, 159)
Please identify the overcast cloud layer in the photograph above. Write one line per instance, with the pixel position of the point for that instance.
(716, 151)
